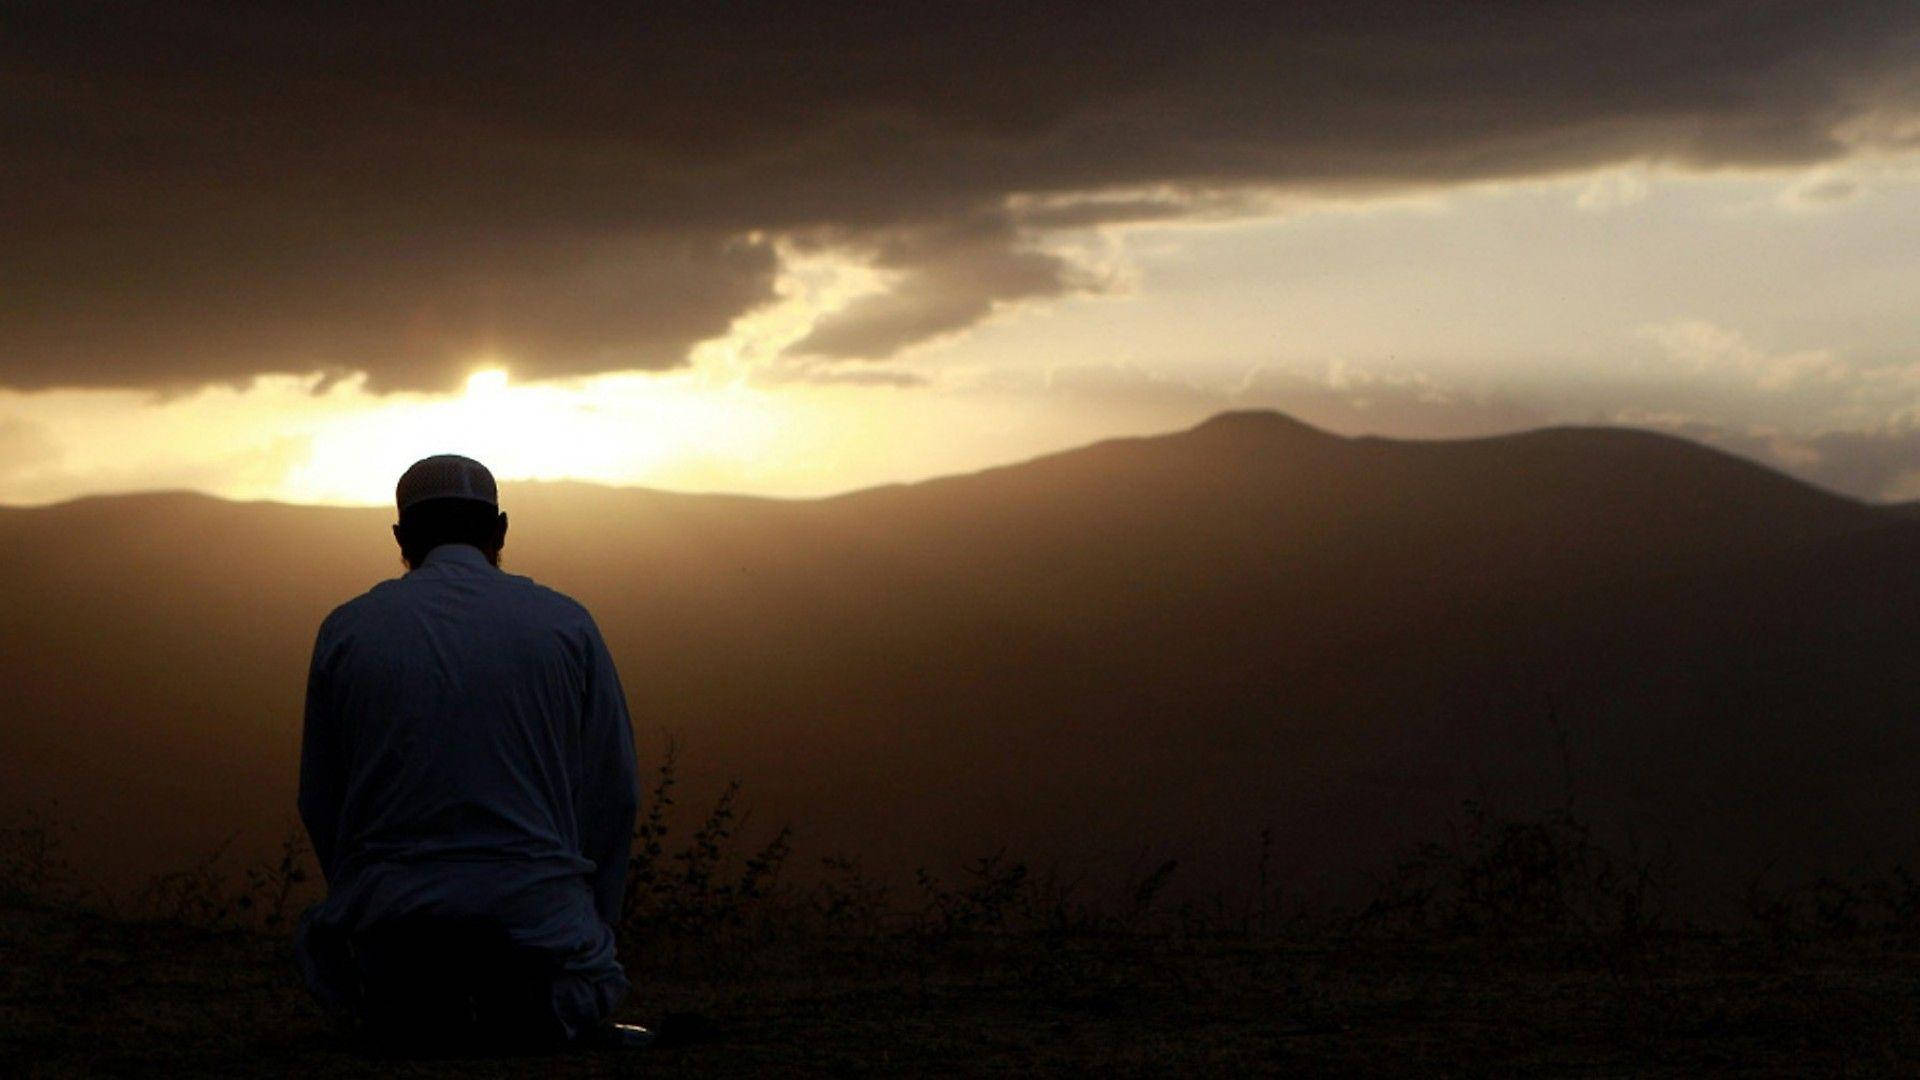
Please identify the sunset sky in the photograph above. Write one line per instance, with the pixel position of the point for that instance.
(793, 251)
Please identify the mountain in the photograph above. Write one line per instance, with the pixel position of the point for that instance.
(1143, 648)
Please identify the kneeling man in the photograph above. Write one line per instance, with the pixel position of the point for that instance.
(467, 778)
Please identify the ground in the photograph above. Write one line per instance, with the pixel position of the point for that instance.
(84, 994)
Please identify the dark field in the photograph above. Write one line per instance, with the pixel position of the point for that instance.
(89, 995)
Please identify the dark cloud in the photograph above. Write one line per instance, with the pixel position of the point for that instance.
(192, 192)
(940, 280)
(200, 308)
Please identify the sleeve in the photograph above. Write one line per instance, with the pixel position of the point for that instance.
(322, 760)
(608, 797)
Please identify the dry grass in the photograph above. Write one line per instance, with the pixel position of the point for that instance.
(86, 995)
(1519, 947)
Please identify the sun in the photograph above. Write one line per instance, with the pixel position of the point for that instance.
(630, 428)
(486, 381)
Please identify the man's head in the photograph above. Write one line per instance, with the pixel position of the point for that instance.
(448, 499)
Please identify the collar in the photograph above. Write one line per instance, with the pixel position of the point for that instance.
(457, 555)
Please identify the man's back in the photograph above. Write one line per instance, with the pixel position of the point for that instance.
(461, 713)
(468, 781)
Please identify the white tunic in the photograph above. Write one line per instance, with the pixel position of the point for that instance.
(467, 751)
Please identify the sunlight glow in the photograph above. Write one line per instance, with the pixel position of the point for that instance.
(485, 382)
(616, 429)
(1617, 295)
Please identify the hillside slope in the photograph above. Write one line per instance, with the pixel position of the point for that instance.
(1145, 646)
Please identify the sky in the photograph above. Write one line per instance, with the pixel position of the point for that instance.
(281, 251)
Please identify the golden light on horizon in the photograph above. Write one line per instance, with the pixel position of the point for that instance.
(632, 428)
(1195, 318)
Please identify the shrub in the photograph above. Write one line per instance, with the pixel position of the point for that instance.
(1516, 878)
(693, 902)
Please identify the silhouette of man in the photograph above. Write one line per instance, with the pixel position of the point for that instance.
(467, 778)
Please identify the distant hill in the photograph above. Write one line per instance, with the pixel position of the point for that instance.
(1144, 647)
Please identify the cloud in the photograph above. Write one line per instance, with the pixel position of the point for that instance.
(1871, 464)
(1350, 399)
(1341, 397)
(203, 308)
(828, 374)
(1163, 202)
(193, 192)
(1822, 190)
(1613, 189)
(1703, 348)
(938, 281)
(1877, 465)
(24, 447)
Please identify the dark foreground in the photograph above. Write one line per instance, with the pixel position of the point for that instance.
(86, 995)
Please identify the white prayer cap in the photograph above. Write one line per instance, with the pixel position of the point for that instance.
(445, 476)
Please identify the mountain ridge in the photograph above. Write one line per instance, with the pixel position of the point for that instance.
(1257, 429)
(1143, 644)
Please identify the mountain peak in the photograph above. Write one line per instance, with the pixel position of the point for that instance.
(1256, 423)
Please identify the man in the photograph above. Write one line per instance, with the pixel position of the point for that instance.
(467, 778)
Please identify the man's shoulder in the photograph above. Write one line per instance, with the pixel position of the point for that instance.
(367, 604)
(529, 599)
(558, 604)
